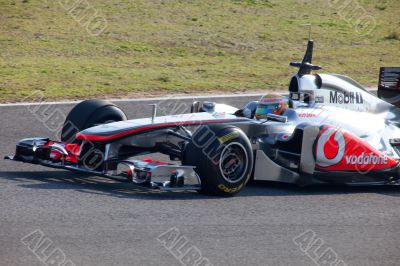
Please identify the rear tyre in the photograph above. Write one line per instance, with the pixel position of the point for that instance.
(87, 114)
(223, 158)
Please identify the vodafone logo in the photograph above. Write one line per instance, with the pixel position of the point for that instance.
(271, 100)
(366, 159)
(339, 150)
(336, 141)
(306, 115)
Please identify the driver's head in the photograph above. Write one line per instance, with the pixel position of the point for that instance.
(271, 104)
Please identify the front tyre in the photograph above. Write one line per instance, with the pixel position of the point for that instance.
(223, 158)
(87, 114)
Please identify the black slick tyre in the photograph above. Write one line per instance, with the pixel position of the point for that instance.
(223, 157)
(87, 114)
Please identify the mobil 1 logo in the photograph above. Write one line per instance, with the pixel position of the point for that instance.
(346, 97)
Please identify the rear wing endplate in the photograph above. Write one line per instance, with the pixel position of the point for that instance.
(389, 85)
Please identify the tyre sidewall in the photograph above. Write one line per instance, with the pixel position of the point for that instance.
(207, 158)
(87, 114)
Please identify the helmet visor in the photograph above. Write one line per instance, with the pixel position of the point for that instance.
(264, 109)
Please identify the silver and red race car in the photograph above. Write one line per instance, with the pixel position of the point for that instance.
(335, 131)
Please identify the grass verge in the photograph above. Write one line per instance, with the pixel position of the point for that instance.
(156, 47)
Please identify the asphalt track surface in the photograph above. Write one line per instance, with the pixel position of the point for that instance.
(94, 221)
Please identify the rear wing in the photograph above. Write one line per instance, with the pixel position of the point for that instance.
(389, 85)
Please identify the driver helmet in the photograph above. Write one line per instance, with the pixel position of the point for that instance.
(271, 104)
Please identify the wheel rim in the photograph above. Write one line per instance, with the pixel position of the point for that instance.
(233, 162)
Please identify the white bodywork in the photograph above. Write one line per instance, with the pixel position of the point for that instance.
(330, 99)
(373, 128)
(339, 91)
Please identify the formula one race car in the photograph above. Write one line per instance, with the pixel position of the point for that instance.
(332, 131)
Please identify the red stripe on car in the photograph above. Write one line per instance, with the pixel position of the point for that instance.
(82, 136)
